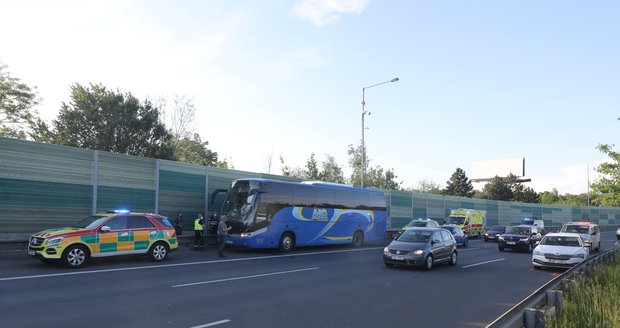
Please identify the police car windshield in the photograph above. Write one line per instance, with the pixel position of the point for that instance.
(575, 228)
(90, 222)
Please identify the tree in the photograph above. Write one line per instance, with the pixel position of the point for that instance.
(427, 186)
(355, 162)
(17, 102)
(312, 169)
(195, 151)
(526, 195)
(459, 185)
(295, 172)
(549, 197)
(607, 186)
(498, 189)
(331, 171)
(376, 176)
(97, 118)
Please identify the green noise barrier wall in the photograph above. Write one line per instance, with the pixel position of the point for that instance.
(44, 186)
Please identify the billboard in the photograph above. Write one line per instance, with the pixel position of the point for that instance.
(487, 169)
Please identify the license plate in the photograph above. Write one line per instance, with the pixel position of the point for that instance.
(31, 253)
(398, 257)
(555, 261)
(229, 242)
(510, 242)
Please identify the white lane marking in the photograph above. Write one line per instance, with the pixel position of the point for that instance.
(481, 263)
(211, 324)
(468, 249)
(244, 277)
(183, 264)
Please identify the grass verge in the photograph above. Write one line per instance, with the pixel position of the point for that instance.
(596, 303)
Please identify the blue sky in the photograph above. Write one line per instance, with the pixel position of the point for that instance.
(479, 80)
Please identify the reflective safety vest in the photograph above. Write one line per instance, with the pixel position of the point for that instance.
(197, 225)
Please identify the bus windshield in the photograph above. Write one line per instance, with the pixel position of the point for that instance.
(240, 202)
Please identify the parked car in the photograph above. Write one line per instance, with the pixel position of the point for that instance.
(458, 234)
(421, 247)
(559, 250)
(522, 237)
(106, 234)
(618, 233)
(420, 223)
(493, 233)
(588, 231)
(536, 222)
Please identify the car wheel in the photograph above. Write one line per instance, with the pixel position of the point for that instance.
(465, 242)
(74, 256)
(501, 249)
(158, 252)
(486, 239)
(358, 239)
(287, 242)
(428, 262)
(529, 248)
(453, 259)
(389, 265)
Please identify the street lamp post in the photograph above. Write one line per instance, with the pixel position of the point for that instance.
(364, 112)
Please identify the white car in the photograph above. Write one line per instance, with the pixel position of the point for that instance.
(559, 250)
(618, 233)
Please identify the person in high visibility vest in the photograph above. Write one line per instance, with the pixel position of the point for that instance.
(199, 226)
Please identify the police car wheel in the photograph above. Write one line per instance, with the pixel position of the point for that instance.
(74, 256)
(158, 252)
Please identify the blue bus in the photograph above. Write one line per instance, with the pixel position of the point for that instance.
(267, 213)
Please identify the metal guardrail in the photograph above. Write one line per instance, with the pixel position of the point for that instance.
(545, 301)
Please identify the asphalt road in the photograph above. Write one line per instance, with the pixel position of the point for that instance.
(312, 287)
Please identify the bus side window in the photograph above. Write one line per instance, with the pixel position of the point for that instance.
(344, 199)
(361, 200)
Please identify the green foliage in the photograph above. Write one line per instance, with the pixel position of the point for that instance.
(459, 185)
(593, 304)
(331, 171)
(498, 188)
(607, 187)
(97, 118)
(17, 102)
(195, 151)
(427, 186)
(549, 197)
(376, 176)
(312, 168)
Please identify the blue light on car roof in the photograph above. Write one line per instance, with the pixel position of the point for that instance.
(121, 211)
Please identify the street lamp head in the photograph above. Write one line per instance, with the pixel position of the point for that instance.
(394, 79)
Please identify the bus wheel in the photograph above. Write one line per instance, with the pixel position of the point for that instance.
(287, 242)
(358, 239)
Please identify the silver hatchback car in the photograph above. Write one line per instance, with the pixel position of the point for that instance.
(421, 247)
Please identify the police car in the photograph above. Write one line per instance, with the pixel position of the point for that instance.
(112, 233)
